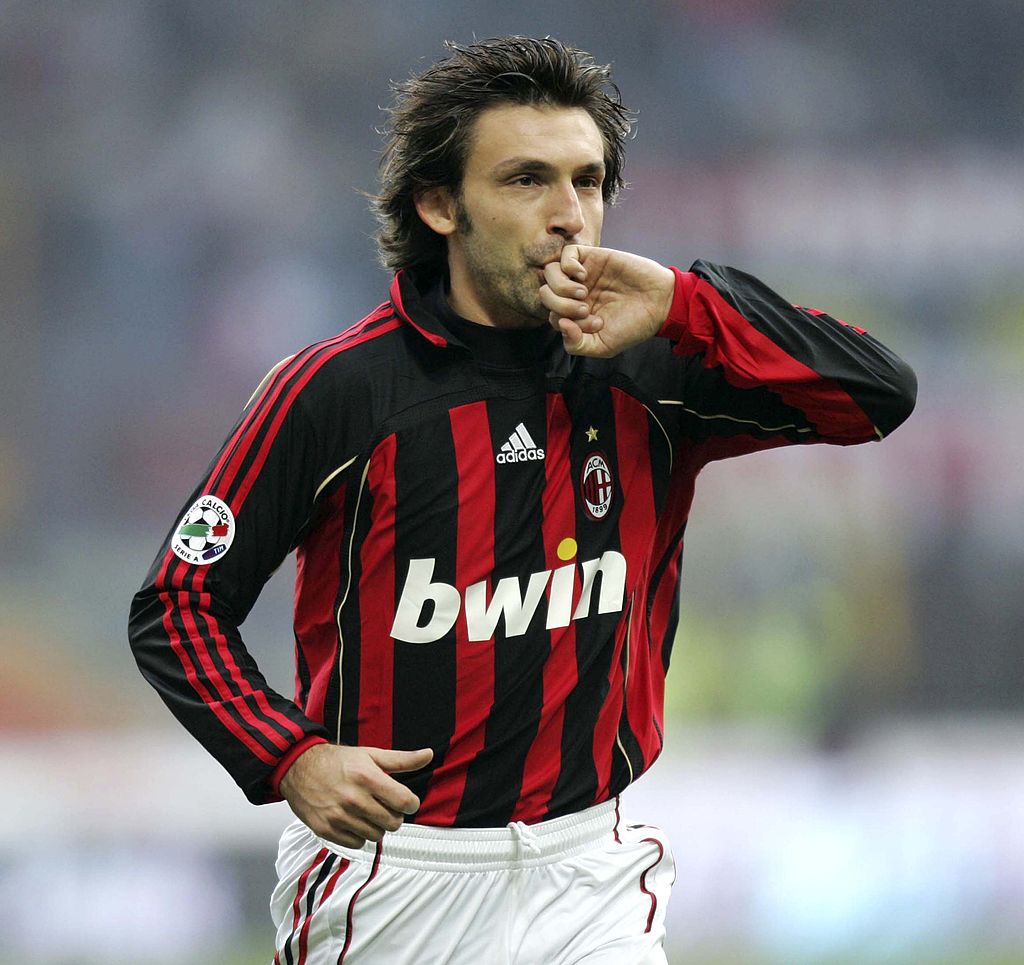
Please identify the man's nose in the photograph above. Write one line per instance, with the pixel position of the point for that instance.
(566, 218)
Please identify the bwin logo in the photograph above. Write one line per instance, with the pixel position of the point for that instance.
(519, 447)
(508, 599)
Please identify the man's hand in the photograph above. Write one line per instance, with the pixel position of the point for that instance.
(344, 794)
(603, 301)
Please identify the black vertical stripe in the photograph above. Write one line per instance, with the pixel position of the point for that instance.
(494, 780)
(425, 528)
(591, 403)
(311, 895)
(624, 771)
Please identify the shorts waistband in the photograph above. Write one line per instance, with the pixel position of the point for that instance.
(482, 849)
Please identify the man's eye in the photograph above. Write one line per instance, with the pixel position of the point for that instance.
(526, 180)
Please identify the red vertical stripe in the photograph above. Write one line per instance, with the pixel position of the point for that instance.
(317, 578)
(377, 602)
(544, 758)
(607, 725)
(666, 545)
(474, 662)
(665, 595)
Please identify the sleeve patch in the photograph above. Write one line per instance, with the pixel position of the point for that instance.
(205, 532)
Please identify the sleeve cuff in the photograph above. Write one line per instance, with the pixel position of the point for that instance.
(289, 758)
(675, 326)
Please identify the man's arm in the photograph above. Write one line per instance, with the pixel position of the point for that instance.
(826, 381)
(246, 514)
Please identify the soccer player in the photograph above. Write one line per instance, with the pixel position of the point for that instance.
(486, 482)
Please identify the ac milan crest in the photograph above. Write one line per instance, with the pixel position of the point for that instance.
(596, 486)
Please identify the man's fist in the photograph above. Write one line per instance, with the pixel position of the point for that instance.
(603, 301)
(344, 794)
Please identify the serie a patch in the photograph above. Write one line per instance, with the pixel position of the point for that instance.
(205, 531)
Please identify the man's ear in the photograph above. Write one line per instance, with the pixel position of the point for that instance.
(436, 208)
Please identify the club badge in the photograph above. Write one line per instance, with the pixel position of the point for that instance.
(596, 486)
(205, 531)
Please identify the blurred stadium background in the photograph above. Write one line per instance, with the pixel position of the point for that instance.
(180, 207)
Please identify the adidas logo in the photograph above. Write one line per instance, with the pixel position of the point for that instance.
(520, 447)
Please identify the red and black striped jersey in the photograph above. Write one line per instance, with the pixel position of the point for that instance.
(488, 535)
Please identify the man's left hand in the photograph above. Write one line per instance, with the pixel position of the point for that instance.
(604, 301)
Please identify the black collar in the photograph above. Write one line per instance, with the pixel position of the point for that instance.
(424, 304)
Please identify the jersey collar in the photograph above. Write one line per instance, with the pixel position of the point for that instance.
(407, 295)
(421, 303)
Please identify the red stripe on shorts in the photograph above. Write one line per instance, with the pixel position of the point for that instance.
(643, 882)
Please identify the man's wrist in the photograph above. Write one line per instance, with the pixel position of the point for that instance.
(290, 757)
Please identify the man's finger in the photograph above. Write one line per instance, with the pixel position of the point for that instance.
(561, 283)
(572, 336)
(568, 307)
(571, 262)
(368, 822)
(394, 796)
(345, 838)
(397, 762)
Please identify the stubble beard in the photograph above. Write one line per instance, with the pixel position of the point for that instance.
(511, 296)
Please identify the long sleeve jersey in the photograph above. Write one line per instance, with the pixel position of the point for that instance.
(488, 542)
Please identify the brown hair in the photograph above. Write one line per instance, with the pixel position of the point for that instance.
(428, 138)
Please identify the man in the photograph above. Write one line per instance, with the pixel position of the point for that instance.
(486, 481)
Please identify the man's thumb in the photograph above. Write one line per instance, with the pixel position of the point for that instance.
(395, 762)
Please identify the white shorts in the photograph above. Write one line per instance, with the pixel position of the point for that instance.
(585, 888)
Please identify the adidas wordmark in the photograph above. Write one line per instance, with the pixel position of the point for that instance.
(519, 447)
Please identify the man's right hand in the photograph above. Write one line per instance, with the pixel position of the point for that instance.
(344, 794)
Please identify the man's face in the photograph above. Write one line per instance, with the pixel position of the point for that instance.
(532, 184)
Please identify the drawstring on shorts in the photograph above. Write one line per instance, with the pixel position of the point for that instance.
(525, 839)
